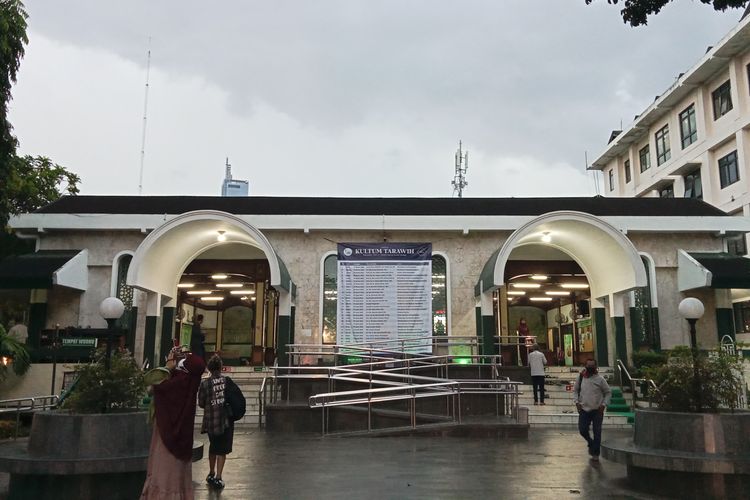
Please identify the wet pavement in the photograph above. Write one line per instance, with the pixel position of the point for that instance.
(552, 463)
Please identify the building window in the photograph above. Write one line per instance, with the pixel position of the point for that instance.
(667, 191)
(736, 245)
(663, 152)
(611, 179)
(742, 317)
(645, 158)
(627, 171)
(693, 185)
(728, 172)
(439, 297)
(722, 98)
(688, 129)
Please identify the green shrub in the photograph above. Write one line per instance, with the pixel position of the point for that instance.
(121, 388)
(8, 429)
(18, 351)
(718, 385)
(645, 359)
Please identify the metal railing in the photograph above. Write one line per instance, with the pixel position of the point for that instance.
(636, 384)
(26, 405)
(390, 375)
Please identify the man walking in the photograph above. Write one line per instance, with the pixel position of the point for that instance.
(591, 394)
(537, 360)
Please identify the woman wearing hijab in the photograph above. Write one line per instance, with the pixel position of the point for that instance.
(169, 474)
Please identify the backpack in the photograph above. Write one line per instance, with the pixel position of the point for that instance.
(234, 400)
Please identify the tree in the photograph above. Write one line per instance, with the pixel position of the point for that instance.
(28, 182)
(636, 12)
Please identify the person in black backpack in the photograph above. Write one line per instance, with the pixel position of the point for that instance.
(217, 420)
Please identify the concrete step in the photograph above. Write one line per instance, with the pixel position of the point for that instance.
(571, 419)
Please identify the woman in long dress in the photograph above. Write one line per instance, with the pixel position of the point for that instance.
(169, 475)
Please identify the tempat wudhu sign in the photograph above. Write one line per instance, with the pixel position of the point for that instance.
(385, 293)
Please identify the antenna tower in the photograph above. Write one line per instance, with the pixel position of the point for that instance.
(459, 181)
(229, 170)
(145, 112)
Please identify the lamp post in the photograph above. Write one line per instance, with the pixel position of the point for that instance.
(111, 309)
(692, 310)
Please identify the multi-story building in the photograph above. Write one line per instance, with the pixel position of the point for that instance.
(234, 187)
(693, 141)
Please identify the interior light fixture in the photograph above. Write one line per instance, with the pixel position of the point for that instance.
(221, 236)
(557, 292)
(212, 299)
(243, 298)
(199, 292)
(242, 292)
(252, 298)
(574, 285)
(540, 299)
(546, 237)
(510, 299)
(525, 285)
(230, 285)
(539, 277)
(219, 276)
(516, 292)
(185, 285)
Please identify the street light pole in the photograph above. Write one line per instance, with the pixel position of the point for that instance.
(111, 309)
(692, 310)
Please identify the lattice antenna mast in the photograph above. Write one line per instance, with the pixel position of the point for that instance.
(145, 113)
(459, 181)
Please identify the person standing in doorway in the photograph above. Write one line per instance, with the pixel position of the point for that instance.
(537, 360)
(591, 394)
(216, 422)
(197, 338)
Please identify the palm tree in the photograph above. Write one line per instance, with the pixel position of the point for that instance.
(13, 355)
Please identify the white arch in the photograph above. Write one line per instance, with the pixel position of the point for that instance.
(609, 259)
(162, 257)
(116, 271)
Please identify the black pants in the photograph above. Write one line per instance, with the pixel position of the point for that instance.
(537, 382)
(585, 421)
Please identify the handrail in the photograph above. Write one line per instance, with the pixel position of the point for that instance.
(37, 403)
(261, 400)
(652, 387)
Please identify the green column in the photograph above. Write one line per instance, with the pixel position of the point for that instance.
(620, 342)
(167, 331)
(37, 320)
(131, 329)
(656, 330)
(725, 322)
(283, 338)
(600, 330)
(486, 333)
(149, 341)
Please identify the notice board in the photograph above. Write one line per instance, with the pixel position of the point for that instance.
(385, 293)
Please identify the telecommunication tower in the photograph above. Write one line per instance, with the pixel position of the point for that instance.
(459, 181)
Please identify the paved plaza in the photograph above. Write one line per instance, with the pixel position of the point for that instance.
(552, 463)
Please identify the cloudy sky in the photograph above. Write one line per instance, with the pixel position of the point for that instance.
(343, 97)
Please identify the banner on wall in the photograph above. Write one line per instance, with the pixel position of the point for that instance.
(568, 340)
(385, 293)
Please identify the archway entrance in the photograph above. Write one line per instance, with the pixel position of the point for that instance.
(191, 265)
(582, 265)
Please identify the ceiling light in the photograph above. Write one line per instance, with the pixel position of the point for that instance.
(516, 292)
(252, 298)
(538, 277)
(525, 285)
(557, 292)
(540, 299)
(242, 292)
(185, 285)
(219, 276)
(221, 236)
(574, 285)
(212, 299)
(510, 299)
(546, 237)
(230, 285)
(243, 298)
(199, 292)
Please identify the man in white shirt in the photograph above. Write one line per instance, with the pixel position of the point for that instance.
(19, 331)
(537, 360)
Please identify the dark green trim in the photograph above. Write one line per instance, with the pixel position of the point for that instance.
(132, 323)
(488, 336)
(657, 331)
(149, 340)
(478, 320)
(621, 345)
(725, 322)
(37, 320)
(600, 330)
(636, 332)
(284, 337)
(167, 331)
